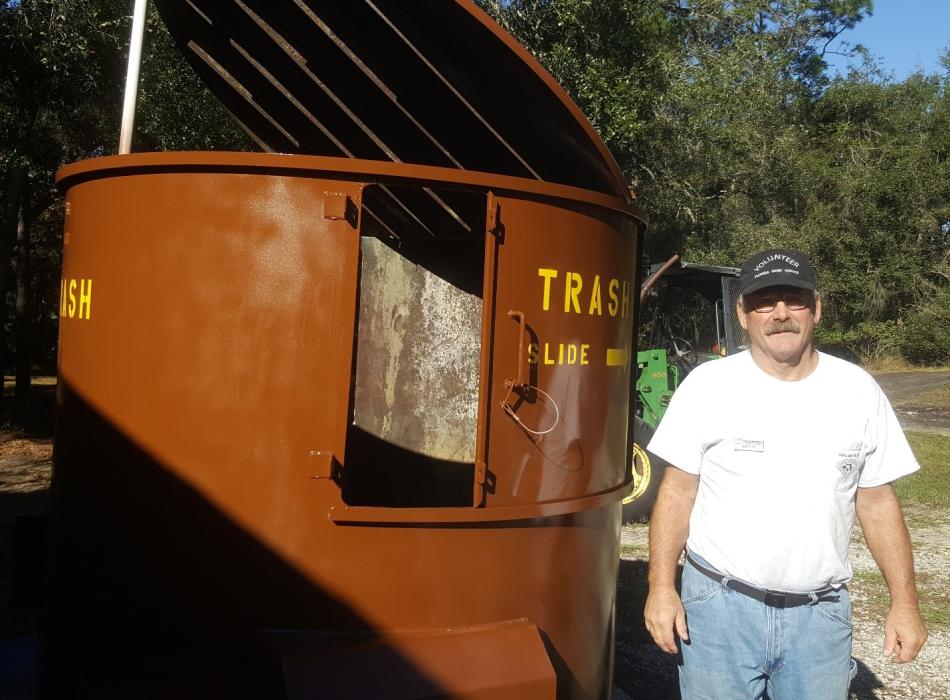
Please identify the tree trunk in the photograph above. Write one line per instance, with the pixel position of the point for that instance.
(24, 335)
(9, 223)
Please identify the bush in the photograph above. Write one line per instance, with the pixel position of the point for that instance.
(926, 336)
(866, 341)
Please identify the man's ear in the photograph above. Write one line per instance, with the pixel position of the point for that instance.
(740, 312)
(817, 307)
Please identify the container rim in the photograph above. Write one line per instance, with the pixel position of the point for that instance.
(369, 171)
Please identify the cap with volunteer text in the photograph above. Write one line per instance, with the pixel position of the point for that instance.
(775, 268)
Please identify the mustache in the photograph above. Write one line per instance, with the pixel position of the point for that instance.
(788, 325)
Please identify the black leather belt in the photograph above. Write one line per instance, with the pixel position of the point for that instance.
(774, 599)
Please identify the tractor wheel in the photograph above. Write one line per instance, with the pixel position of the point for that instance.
(647, 471)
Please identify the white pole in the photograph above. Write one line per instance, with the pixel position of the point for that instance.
(132, 77)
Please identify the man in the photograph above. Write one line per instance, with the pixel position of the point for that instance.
(774, 452)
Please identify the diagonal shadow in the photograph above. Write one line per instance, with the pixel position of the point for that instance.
(641, 669)
(152, 591)
(865, 684)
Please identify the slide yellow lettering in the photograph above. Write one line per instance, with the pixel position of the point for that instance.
(572, 287)
(71, 311)
(567, 354)
(626, 300)
(614, 301)
(62, 297)
(85, 298)
(548, 275)
(595, 298)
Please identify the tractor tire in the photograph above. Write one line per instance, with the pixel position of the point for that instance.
(647, 472)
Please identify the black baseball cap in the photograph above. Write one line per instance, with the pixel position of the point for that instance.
(779, 267)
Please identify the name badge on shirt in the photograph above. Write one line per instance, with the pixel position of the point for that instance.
(746, 445)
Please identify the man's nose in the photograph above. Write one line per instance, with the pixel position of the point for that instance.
(780, 311)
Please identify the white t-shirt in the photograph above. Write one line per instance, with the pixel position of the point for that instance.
(779, 464)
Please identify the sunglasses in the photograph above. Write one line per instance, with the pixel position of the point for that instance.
(793, 302)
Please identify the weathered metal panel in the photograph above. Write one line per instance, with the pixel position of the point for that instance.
(417, 357)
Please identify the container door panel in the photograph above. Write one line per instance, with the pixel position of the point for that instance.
(559, 331)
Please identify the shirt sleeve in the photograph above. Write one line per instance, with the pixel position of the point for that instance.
(678, 439)
(889, 456)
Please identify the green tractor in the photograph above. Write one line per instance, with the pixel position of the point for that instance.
(687, 317)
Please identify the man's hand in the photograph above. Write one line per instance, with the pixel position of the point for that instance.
(889, 542)
(904, 633)
(669, 526)
(666, 618)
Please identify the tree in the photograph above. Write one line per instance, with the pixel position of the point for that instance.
(721, 115)
(176, 112)
(61, 82)
(59, 64)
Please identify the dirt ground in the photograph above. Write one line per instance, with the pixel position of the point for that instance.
(921, 399)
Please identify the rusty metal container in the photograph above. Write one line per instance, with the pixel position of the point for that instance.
(332, 427)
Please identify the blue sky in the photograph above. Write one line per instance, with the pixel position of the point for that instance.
(903, 34)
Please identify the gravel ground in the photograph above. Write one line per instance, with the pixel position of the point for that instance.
(645, 673)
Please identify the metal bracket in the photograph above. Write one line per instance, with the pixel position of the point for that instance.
(481, 473)
(323, 465)
(339, 206)
(493, 215)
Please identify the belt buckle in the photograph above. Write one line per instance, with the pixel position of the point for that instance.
(775, 599)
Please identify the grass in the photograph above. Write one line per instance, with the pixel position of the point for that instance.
(928, 487)
(885, 365)
(880, 365)
(934, 602)
(634, 551)
(870, 586)
(931, 485)
(917, 518)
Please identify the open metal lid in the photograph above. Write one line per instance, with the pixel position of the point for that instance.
(430, 83)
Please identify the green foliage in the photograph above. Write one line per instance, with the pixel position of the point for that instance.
(59, 61)
(61, 87)
(721, 116)
(176, 112)
(926, 339)
(719, 113)
(59, 65)
(868, 340)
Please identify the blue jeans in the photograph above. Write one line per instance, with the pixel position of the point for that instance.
(740, 649)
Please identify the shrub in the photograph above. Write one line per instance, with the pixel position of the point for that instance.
(926, 336)
(866, 341)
